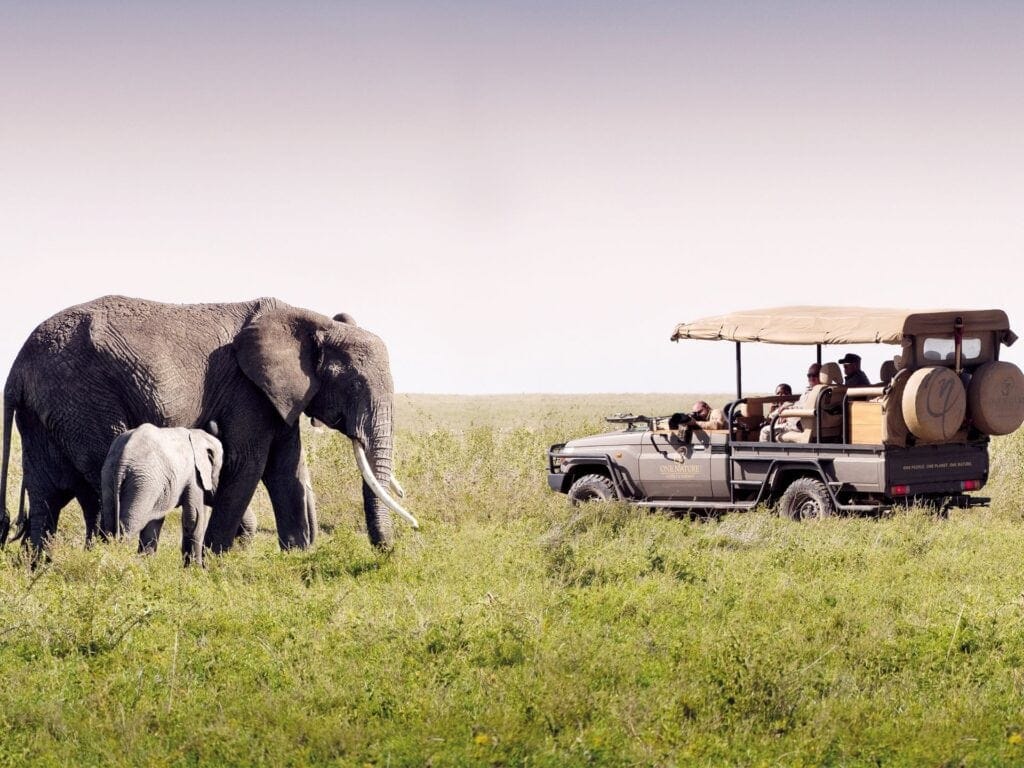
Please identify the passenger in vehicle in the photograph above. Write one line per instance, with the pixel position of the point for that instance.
(707, 417)
(813, 376)
(854, 376)
(784, 425)
(782, 390)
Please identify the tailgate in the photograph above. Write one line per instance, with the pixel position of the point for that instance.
(937, 468)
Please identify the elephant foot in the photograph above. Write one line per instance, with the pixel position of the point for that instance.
(188, 560)
(37, 556)
(218, 546)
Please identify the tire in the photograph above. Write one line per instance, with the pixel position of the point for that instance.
(591, 488)
(995, 398)
(806, 498)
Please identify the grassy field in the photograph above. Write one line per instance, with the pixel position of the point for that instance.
(513, 630)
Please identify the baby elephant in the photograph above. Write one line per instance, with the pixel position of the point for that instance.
(149, 471)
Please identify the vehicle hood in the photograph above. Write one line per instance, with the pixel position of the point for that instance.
(604, 441)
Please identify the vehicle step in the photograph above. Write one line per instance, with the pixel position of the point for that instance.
(678, 504)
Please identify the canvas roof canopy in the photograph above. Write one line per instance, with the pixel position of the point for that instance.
(840, 325)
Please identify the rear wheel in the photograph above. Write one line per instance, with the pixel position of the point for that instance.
(591, 488)
(806, 498)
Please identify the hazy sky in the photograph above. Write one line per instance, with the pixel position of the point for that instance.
(518, 197)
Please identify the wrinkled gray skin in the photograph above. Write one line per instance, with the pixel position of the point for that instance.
(96, 370)
(150, 470)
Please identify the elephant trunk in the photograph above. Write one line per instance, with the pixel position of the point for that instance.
(375, 465)
(374, 495)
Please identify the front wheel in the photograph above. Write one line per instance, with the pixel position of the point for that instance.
(591, 488)
(806, 498)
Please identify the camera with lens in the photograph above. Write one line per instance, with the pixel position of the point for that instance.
(677, 420)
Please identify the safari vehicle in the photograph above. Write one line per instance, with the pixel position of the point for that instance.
(921, 437)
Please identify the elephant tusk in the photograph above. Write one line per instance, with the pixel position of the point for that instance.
(399, 491)
(375, 486)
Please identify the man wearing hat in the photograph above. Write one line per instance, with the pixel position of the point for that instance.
(853, 375)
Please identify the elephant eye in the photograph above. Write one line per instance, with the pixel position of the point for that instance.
(357, 386)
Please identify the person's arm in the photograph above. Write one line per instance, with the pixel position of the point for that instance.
(716, 420)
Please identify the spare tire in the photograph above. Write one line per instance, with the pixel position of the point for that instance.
(934, 403)
(995, 398)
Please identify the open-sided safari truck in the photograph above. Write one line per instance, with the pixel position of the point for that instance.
(921, 437)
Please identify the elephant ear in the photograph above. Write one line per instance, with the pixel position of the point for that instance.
(203, 462)
(280, 353)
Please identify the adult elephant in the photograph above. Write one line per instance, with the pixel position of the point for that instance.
(95, 370)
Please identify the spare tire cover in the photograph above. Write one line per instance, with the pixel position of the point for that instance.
(995, 398)
(934, 403)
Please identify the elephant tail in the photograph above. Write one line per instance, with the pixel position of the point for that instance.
(5, 518)
(119, 489)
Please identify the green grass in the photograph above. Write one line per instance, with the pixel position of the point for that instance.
(513, 630)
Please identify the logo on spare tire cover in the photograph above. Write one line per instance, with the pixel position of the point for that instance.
(934, 403)
(942, 401)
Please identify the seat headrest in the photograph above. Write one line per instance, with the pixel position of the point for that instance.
(831, 373)
(887, 371)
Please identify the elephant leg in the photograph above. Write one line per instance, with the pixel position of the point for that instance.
(287, 479)
(194, 520)
(91, 502)
(50, 480)
(233, 496)
(247, 528)
(43, 513)
(149, 536)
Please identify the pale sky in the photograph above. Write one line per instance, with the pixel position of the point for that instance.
(517, 197)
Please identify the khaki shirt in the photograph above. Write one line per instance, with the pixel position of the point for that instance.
(716, 420)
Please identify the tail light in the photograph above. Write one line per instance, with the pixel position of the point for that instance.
(970, 485)
(899, 490)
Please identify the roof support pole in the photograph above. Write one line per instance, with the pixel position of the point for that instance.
(958, 343)
(739, 372)
(819, 355)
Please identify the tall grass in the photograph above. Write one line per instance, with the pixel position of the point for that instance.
(513, 630)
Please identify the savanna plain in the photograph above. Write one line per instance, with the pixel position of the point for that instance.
(515, 630)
